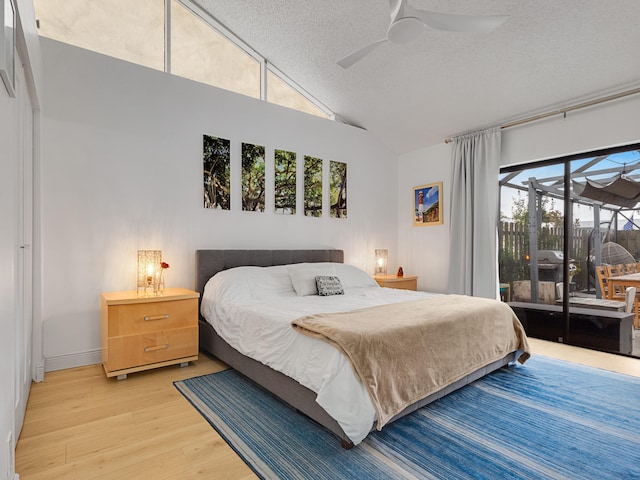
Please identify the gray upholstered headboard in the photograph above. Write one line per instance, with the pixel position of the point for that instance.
(210, 262)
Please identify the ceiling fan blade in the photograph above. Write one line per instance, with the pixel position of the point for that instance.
(458, 23)
(349, 60)
(397, 9)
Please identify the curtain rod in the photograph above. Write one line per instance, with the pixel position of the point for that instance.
(563, 111)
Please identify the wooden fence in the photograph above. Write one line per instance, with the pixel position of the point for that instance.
(513, 241)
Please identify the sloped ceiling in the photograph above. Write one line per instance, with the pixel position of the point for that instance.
(549, 53)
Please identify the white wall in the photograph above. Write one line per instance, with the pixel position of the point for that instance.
(600, 126)
(122, 171)
(424, 250)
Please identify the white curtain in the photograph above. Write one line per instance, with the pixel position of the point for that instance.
(474, 214)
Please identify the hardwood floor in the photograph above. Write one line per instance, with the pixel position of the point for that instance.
(81, 425)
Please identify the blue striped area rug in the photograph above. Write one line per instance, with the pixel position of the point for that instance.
(547, 419)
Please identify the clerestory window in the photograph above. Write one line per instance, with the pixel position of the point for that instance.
(200, 53)
(174, 36)
(131, 31)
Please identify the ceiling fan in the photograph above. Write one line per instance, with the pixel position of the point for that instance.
(408, 23)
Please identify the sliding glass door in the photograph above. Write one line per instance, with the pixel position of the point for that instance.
(566, 227)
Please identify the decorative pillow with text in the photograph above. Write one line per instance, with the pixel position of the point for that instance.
(328, 285)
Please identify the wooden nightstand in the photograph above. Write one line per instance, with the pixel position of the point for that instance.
(140, 333)
(408, 282)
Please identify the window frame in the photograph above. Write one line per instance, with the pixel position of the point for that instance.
(278, 73)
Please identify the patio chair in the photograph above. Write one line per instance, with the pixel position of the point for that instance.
(630, 300)
(602, 272)
(614, 271)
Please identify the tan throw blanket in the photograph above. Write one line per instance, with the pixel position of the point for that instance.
(404, 352)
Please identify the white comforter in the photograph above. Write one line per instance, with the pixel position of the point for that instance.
(252, 308)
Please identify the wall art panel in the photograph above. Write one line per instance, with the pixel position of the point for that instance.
(312, 186)
(338, 189)
(253, 182)
(285, 182)
(217, 172)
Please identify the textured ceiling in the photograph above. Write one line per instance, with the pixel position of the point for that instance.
(549, 53)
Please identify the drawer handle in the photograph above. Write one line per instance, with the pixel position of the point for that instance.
(157, 347)
(148, 318)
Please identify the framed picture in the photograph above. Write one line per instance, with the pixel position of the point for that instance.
(427, 205)
(8, 45)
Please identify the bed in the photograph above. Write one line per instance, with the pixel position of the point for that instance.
(351, 412)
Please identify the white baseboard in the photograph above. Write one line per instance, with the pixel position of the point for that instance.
(72, 360)
(39, 373)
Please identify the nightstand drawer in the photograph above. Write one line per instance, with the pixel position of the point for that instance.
(151, 317)
(404, 284)
(134, 350)
(408, 282)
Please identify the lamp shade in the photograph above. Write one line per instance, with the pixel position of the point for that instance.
(381, 262)
(148, 266)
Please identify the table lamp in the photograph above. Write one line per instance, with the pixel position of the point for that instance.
(381, 262)
(148, 267)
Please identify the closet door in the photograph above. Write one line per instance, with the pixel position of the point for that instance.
(24, 313)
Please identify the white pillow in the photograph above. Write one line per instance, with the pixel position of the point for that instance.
(303, 276)
(270, 282)
(352, 277)
(247, 284)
